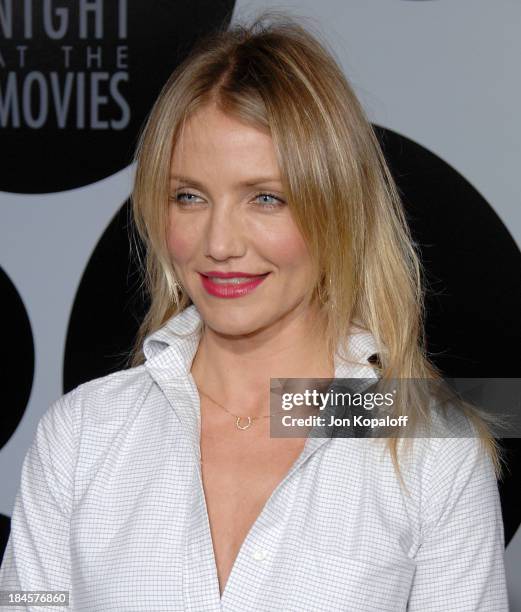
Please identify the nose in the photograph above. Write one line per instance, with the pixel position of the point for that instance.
(224, 235)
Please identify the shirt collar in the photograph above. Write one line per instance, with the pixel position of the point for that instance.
(170, 351)
(173, 346)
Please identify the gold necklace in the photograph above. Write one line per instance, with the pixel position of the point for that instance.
(238, 418)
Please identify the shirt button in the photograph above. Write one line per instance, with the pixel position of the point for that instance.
(259, 554)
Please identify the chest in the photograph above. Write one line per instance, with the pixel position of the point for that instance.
(140, 534)
(240, 471)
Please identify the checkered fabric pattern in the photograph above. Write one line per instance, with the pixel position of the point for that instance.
(111, 508)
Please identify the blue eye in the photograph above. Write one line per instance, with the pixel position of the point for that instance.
(178, 197)
(278, 202)
(185, 198)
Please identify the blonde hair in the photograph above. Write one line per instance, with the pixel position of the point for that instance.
(276, 75)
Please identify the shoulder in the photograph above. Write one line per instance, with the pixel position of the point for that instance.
(80, 427)
(446, 451)
(111, 396)
(454, 478)
(91, 409)
(108, 396)
(456, 463)
(440, 473)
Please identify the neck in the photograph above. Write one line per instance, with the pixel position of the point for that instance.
(236, 371)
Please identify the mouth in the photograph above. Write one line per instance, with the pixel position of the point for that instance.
(231, 286)
(238, 279)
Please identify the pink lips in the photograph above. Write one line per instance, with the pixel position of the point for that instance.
(231, 290)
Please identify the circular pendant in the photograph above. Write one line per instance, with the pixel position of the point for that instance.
(238, 422)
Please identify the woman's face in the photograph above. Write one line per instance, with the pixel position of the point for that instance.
(228, 214)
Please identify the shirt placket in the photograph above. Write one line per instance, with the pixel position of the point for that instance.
(254, 562)
(252, 566)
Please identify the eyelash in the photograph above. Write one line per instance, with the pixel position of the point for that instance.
(268, 206)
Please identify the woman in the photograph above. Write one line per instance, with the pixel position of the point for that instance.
(276, 248)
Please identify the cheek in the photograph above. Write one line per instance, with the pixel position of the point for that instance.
(286, 247)
(180, 243)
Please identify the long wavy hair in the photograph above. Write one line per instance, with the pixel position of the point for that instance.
(279, 76)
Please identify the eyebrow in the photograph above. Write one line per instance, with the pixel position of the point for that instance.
(248, 183)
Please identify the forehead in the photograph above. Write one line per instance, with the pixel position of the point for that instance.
(214, 140)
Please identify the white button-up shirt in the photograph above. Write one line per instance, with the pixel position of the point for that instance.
(111, 508)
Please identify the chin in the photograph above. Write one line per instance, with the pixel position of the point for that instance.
(233, 321)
